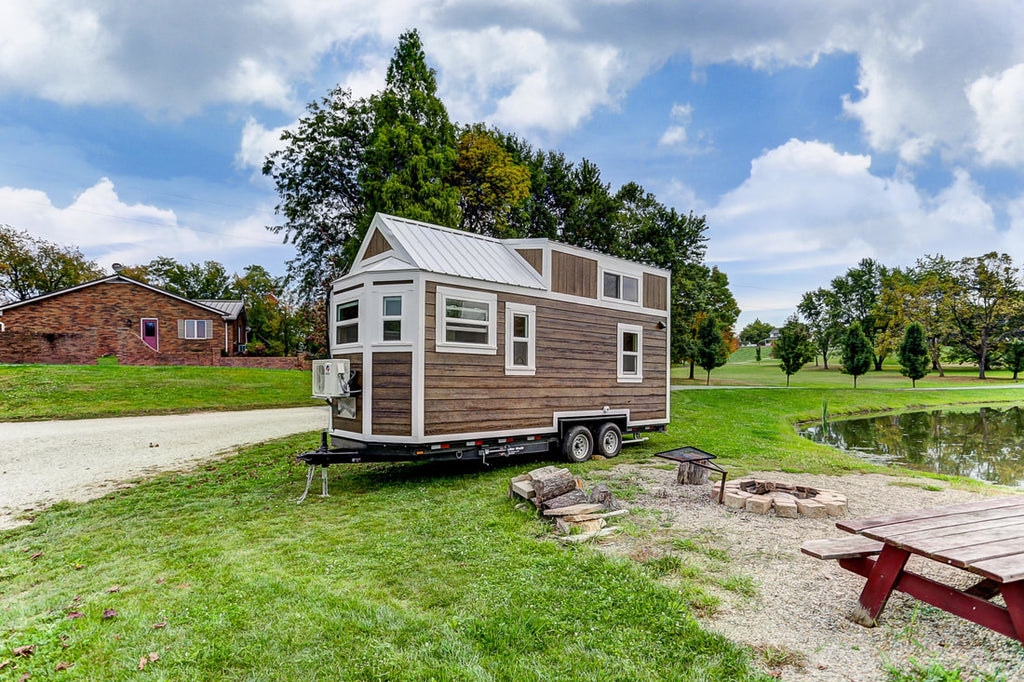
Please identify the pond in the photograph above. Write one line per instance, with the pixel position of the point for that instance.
(986, 444)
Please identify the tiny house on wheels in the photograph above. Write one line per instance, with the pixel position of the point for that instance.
(447, 344)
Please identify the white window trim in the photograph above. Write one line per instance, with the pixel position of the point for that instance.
(622, 377)
(530, 369)
(400, 318)
(621, 273)
(359, 322)
(443, 346)
(183, 330)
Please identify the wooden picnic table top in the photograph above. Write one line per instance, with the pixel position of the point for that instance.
(986, 537)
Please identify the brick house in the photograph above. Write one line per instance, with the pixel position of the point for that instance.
(117, 315)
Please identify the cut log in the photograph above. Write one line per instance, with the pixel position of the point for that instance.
(575, 496)
(523, 489)
(591, 517)
(553, 484)
(541, 472)
(574, 509)
(601, 495)
(691, 474)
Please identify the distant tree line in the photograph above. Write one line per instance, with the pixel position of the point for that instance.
(966, 310)
(397, 152)
(30, 266)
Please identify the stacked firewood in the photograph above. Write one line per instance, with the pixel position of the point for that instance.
(578, 515)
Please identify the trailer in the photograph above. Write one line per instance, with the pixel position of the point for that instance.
(450, 345)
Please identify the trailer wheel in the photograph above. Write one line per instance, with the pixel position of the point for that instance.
(609, 440)
(578, 444)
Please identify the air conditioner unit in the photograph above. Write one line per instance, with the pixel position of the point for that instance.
(330, 378)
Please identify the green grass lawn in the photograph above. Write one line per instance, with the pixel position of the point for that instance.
(80, 391)
(743, 370)
(407, 572)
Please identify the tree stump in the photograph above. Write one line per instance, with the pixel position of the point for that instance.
(691, 474)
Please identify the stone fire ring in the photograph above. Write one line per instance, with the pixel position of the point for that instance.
(788, 500)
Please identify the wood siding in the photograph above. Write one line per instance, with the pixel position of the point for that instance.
(576, 370)
(573, 275)
(353, 425)
(655, 295)
(392, 394)
(535, 257)
(378, 244)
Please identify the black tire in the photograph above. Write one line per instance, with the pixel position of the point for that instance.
(578, 444)
(608, 442)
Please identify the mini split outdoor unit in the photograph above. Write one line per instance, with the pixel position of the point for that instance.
(330, 378)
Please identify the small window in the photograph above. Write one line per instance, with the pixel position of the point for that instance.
(465, 321)
(391, 320)
(630, 352)
(520, 339)
(195, 329)
(347, 322)
(621, 287)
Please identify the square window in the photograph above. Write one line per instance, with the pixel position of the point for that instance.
(392, 330)
(392, 306)
(346, 316)
(465, 321)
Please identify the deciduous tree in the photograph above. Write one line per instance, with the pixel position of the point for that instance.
(794, 348)
(756, 334)
(490, 182)
(30, 266)
(712, 349)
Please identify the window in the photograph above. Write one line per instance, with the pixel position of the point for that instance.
(621, 287)
(391, 319)
(346, 318)
(195, 329)
(465, 321)
(520, 339)
(630, 352)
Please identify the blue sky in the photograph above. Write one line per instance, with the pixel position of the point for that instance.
(811, 134)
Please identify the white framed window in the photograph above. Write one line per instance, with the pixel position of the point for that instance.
(520, 339)
(618, 286)
(630, 353)
(346, 322)
(466, 321)
(195, 329)
(391, 318)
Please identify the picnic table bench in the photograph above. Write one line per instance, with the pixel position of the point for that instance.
(985, 538)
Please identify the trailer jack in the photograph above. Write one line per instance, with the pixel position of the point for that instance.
(309, 480)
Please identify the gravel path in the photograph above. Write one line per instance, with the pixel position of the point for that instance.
(802, 604)
(45, 462)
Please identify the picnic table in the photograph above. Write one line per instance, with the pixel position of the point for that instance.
(984, 538)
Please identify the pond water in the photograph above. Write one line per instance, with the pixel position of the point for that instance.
(986, 444)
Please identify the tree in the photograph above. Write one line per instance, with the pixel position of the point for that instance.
(267, 313)
(794, 348)
(30, 266)
(194, 281)
(857, 352)
(712, 349)
(700, 292)
(820, 310)
(1014, 356)
(919, 294)
(985, 303)
(756, 334)
(490, 182)
(913, 354)
(856, 298)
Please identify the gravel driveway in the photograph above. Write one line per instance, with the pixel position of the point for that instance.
(45, 462)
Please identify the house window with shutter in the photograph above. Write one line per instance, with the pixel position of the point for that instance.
(195, 329)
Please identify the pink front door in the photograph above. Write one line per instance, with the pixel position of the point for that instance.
(151, 333)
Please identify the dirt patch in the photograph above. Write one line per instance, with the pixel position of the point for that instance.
(792, 609)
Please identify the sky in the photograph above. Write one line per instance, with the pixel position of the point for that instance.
(811, 134)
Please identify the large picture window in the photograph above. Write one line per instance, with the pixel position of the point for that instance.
(346, 321)
(465, 321)
(621, 287)
(630, 353)
(520, 339)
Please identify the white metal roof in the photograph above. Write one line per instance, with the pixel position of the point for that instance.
(229, 309)
(454, 252)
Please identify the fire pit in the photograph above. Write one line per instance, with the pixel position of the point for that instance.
(788, 500)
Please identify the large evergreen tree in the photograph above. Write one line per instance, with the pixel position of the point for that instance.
(913, 354)
(857, 352)
(794, 348)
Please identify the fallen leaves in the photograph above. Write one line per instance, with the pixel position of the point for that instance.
(4, 663)
(153, 657)
(114, 588)
(157, 626)
(109, 613)
(26, 650)
(36, 555)
(75, 614)
(63, 665)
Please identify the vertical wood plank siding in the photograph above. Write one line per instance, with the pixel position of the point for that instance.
(353, 425)
(654, 292)
(576, 370)
(573, 275)
(392, 394)
(378, 244)
(535, 257)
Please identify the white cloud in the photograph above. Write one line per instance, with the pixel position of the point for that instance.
(675, 135)
(808, 212)
(110, 230)
(998, 104)
(258, 143)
